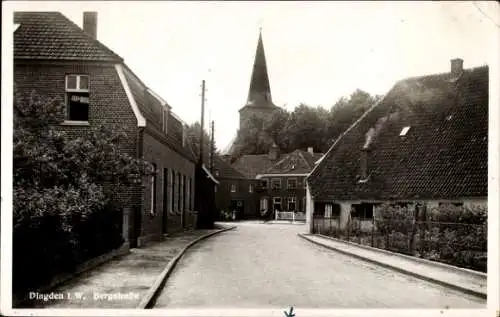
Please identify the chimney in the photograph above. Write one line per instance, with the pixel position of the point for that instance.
(90, 24)
(274, 152)
(310, 150)
(457, 67)
(365, 156)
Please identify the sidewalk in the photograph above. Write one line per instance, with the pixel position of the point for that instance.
(464, 280)
(122, 282)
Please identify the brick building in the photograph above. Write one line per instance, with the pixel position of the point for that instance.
(58, 59)
(280, 179)
(235, 191)
(424, 144)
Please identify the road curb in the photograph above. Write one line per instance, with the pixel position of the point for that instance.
(148, 300)
(398, 269)
(411, 258)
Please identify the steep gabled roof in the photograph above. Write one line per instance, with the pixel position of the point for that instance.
(221, 169)
(52, 36)
(252, 165)
(296, 162)
(443, 154)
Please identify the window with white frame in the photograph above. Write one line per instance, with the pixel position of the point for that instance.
(250, 188)
(153, 191)
(263, 204)
(165, 120)
(233, 188)
(328, 210)
(77, 98)
(292, 183)
(292, 203)
(276, 184)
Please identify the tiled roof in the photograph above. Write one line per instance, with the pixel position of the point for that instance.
(50, 35)
(225, 170)
(151, 108)
(297, 162)
(251, 165)
(221, 169)
(442, 156)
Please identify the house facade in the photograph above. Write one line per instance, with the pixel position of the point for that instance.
(280, 180)
(424, 144)
(56, 58)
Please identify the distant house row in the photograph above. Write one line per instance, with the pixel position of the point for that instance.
(424, 144)
(56, 58)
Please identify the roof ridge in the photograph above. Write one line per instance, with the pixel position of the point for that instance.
(94, 40)
(350, 128)
(470, 69)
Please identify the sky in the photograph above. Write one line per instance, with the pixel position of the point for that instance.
(316, 52)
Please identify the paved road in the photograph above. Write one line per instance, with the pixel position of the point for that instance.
(269, 266)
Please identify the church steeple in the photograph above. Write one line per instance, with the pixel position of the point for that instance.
(259, 92)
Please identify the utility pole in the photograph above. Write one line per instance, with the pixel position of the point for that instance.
(202, 121)
(212, 148)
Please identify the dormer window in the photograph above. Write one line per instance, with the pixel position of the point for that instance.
(165, 120)
(404, 131)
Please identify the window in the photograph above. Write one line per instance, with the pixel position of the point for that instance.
(178, 198)
(292, 183)
(263, 183)
(184, 135)
(191, 193)
(233, 188)
(153, 191)
(77, 97)
(304, 206)
(277, 203)
(276, 184)
(328, 210)
(184, 190)
(363, 211)
(453, 204)
(404, 131)
(173, 190)
(250, 188)
(305, 182)
(263, 204)
(292, 203)
(165, 120)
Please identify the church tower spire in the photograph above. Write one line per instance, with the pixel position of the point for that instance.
(259, 92)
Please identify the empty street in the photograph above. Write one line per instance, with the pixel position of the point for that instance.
(267, 265)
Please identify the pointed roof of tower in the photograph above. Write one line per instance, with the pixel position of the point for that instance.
(259, 92)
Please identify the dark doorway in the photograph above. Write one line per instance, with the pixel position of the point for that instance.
(165, 201)
(238, 206)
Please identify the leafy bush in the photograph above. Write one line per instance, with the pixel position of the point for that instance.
(65, 190)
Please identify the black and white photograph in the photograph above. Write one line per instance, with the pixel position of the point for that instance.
(226, 158)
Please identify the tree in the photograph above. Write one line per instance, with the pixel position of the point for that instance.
(66, 190)
(193, 133)
(303, 127)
